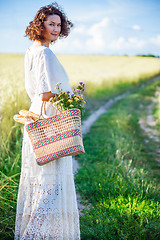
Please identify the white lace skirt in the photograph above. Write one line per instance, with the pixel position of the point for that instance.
(46, 202)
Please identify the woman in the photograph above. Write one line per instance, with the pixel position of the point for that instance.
(46, 203)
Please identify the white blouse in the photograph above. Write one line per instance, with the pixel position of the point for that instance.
(43, 71)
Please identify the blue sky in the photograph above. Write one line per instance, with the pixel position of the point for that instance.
(100, 26)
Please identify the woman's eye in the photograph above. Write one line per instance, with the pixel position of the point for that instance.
(51, 24)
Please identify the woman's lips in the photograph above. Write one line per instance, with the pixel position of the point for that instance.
(54, 34)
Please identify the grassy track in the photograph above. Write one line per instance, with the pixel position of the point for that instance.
(118, 176)
(104, 77)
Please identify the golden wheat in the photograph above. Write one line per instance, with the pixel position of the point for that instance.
(89, 69)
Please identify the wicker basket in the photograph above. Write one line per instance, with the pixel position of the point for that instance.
(56, 136)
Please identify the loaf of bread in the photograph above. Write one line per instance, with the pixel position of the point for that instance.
(27, 113)
(20, 118)
(25, 116)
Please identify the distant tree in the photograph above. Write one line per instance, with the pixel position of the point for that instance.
(146, 55)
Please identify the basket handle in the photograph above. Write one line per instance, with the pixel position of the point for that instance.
(43, 108)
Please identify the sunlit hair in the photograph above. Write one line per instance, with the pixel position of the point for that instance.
(36, 27)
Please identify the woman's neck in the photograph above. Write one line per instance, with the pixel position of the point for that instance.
(39, 43)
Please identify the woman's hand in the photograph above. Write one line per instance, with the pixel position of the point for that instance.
(46, 96)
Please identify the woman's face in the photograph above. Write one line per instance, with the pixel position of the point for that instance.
(52, 28)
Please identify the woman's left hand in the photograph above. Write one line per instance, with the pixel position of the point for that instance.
(46, 96)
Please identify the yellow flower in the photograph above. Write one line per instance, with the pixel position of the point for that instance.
(77, 96)
(71, 105)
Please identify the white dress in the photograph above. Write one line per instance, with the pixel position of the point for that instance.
(46, 202)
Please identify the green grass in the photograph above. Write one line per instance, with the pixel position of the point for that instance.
(10, 167)
(156, 110)
(118, 175)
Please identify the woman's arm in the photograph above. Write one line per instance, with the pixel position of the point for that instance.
(46, 96)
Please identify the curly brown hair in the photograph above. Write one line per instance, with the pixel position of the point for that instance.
(36, 27)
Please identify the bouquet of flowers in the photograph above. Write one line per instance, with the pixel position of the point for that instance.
(63, 101)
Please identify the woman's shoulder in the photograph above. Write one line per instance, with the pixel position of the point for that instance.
(39, 50)
(48, 52)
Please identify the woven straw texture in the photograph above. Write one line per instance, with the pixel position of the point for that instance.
(56, 136)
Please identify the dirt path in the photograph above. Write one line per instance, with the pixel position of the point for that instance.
(86, 124)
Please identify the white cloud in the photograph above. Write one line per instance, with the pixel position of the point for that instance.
(136, 43)
(124, 45)
(98, 28)
(81, 29)
(136, 27)
(97, 32)
(117, 43)
(156, 40)
(95, 44)
(77, 43)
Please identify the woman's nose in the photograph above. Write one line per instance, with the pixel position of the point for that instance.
(56, 28)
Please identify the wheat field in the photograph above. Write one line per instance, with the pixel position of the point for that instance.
(95, 71)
